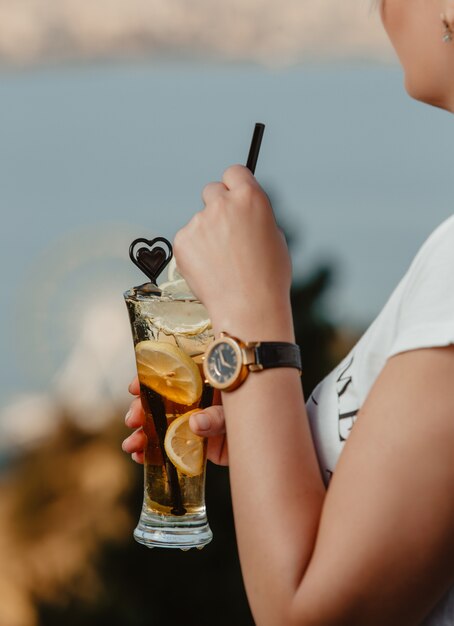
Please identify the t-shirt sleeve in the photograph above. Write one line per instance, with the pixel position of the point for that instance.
(426, 312)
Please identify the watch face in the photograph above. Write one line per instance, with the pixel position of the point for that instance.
(223, 363)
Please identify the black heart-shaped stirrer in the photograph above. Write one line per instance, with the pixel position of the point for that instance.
(151, 258)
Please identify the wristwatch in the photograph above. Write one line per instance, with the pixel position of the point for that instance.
(228, 360)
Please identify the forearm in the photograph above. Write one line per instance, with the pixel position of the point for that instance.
(236, 261)
(277, 489)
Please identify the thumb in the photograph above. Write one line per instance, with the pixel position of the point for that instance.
(209, 422)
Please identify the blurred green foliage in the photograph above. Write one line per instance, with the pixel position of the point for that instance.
(314, 333)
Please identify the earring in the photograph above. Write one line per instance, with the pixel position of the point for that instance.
(448, 34)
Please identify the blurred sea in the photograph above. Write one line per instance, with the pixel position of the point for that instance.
(92, 156)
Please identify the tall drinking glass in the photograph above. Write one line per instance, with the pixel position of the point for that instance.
(171, 332)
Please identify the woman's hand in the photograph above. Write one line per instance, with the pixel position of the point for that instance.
(208, 423)
(235, 258)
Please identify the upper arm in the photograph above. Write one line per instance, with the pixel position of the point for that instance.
(385, 548)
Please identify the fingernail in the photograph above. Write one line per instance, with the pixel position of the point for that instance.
(127, 416)
(124, 444)
(203, 421)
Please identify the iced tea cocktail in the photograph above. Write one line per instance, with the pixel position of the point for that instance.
(171, 332)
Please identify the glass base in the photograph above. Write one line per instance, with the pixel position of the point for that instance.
(171, 531)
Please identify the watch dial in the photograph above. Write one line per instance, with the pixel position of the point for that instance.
(222, 363)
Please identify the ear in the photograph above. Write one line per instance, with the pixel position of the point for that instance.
(447, 10)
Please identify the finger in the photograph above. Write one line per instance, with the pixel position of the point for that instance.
(237, 175)
(138, 457)
(134, 387)
(135, 416)
(208, 423)
(217, 451)
(212, 191)
(135, 442)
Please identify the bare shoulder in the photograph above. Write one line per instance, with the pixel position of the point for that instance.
(385, 548)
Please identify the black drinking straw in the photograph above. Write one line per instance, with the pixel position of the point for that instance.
(255, 146)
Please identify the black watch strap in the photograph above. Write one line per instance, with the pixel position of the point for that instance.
(278, 354)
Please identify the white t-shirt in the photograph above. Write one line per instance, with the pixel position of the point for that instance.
(419, 314)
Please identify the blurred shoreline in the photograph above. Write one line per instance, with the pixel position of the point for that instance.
(32, 31)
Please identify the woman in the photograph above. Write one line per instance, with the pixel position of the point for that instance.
(377, 548)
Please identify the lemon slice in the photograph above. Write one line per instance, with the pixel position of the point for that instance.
(165, 368)
(173, 317)
(184, 449)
